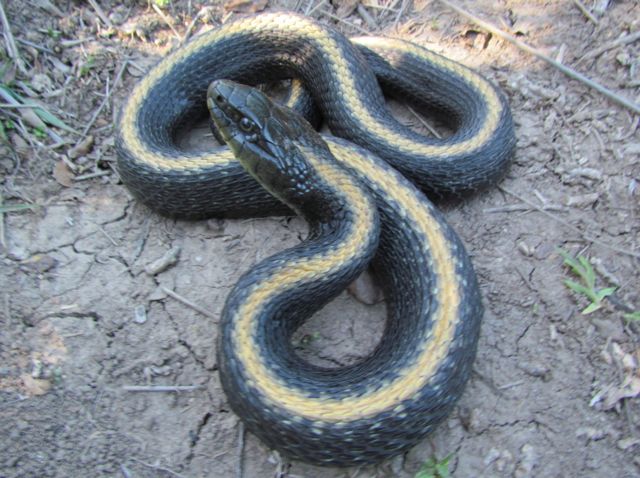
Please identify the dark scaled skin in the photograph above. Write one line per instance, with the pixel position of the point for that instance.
(271, 143)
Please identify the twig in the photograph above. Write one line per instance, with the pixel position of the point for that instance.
(239, 471)
(521, 208)
(188, 303)
(36, 46)
(100, 13)
(403, 6)
(424, 123)
(12, 49)
(125, 471)
(366, 16)
(342, 20)
(167, 21)
(583, 234)
(630, 38)
(161, 388)
(3, 238)
(585, 11)
(106, 234)
(97, 174)
(159, 467)
(105, 100)
(529, 49)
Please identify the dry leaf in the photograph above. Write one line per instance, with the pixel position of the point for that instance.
(35, 386)
(32, 118)
(245, 6)
(630, 389)
(82, 148)
(63, 174)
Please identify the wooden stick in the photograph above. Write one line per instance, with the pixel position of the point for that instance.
(12, 49)
(585, 11)
(630, 38)
(529, 49)
(161, 388)
(188, 303)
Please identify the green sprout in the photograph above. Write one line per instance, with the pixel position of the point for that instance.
(88, 65)
(582, 268)
(633, 316)
(434, 468)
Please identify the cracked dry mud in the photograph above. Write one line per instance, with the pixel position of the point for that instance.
(81, 319)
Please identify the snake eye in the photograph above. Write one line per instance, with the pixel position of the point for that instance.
(246, 125)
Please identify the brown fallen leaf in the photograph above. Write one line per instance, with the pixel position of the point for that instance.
(63, 174)
(35, 386)
(245, 6)
(82, 148)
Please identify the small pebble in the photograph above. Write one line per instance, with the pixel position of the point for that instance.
(167, 260)
(140, 314)
(528, 462)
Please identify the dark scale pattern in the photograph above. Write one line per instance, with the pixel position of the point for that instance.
(274, 53)
(403, 266)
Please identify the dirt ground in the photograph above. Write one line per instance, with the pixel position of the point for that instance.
(86, 311)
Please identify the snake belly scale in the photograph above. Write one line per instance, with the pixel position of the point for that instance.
(384, 404)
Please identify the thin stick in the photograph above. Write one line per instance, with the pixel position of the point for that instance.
(12, 49)
(424, 123)
(583, 234)
(342, 20)
(101, 13)
(105, 100)
(403, 6)
(3, 237)
(161, 388)
(585, 11)
(35, 45)
(239, 471)
(160, 468)
(97, 174)
(521, 208)
(630, 38)
(529, 49)
(188, 303)
(167, 21)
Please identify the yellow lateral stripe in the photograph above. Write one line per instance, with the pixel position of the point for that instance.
(482, 86)
(296, 25)
(416, 376)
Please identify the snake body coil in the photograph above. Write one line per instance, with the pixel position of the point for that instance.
(278, 45)
(384, 404)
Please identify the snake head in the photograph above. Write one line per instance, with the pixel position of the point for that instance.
(266, 138)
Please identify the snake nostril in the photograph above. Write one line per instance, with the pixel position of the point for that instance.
(220, 99)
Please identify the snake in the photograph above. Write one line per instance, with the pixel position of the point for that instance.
(363, 190)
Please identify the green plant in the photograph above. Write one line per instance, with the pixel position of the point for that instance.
(10, 96)
(434, 468)
(55, 34)
(582, 268)
(162, 3)
(88, 65)
(633, 316)
(16, 207)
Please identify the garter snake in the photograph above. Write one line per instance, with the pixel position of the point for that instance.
(384, 404)
(339, 75)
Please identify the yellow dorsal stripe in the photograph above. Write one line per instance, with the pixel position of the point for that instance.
(348, 91)
(437, 341)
